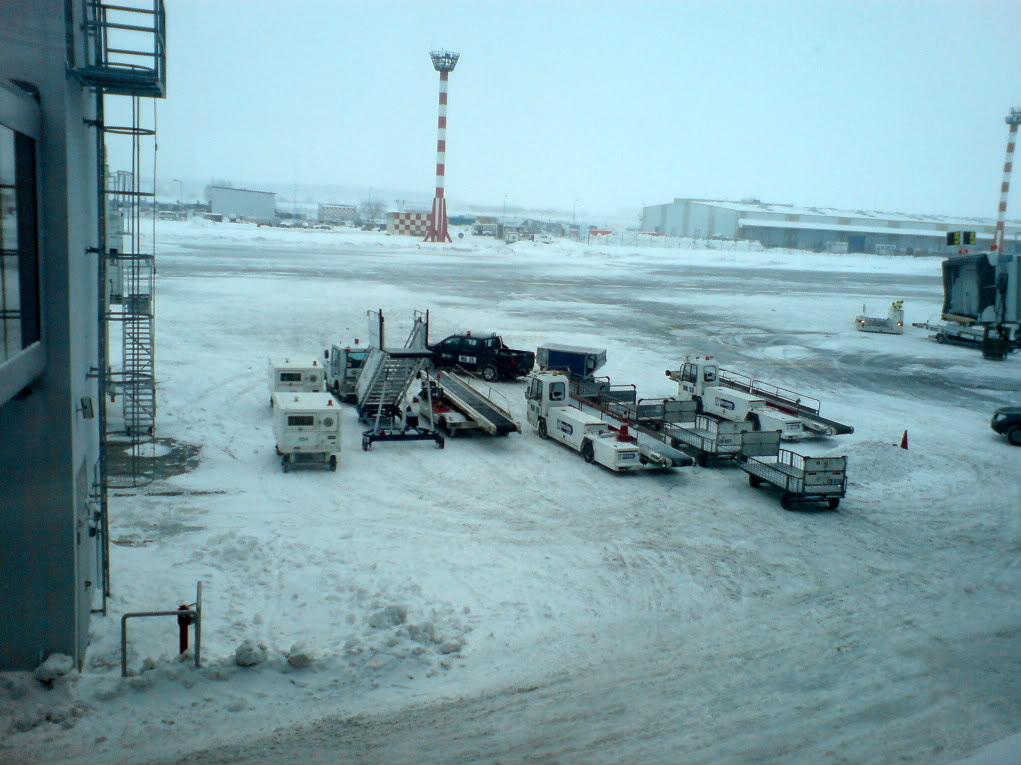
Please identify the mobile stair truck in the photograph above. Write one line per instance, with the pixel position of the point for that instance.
(382, 386)
(553, 415)
(449, 401)
(736, 397)
(893, 324)
(307, 429)
(287, 376)
(800, 478)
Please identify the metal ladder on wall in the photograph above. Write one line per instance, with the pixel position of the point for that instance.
(124, 54)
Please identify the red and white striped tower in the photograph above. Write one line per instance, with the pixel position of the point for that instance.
(1012, 120)
(443, 62)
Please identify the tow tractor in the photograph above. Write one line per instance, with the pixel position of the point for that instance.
(737, 397)
(893, 324)
(552, 414)
(342, 368)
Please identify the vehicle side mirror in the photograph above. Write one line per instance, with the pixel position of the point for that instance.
(326, 355)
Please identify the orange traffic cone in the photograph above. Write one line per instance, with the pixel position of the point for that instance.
(904, 440)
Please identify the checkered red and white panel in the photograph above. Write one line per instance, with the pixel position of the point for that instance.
(408, 223)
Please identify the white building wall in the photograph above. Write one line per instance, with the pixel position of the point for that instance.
(260, 205)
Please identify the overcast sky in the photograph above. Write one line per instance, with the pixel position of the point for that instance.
(881, 105)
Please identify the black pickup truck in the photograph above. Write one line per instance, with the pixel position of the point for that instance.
(485, 355)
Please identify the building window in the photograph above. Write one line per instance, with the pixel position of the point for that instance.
(19, 255)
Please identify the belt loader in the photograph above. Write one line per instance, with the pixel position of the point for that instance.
(450, 402)
(736, 397)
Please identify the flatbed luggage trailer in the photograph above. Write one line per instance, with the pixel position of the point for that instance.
(800, 478)
(715, 439)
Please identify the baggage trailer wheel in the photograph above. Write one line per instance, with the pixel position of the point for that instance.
(439, 441)
(787, 501)
(283, 463)
(833, 502)
(754, 481)
(333, 463)
(366, 444)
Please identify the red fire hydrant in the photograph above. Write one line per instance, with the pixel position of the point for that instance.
(183, 621)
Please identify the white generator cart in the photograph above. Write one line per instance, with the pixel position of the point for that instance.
(307, 429)
(287, 376)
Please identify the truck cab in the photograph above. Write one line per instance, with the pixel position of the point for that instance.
(342, 368)
(485, 355)
(699, 380)
(553, 416)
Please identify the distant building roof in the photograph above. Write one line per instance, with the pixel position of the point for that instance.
(774, 208)
(808, 225)
(250, 191)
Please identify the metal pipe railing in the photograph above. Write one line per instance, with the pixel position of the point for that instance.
(195, 614)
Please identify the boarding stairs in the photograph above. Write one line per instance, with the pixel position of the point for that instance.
(385, 379)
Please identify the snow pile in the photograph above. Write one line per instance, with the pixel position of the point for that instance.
(248, 654)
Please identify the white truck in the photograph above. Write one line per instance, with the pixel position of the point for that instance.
(307, 429)
(698, 380)
(286, 376)
(553, 416)
(343, 365)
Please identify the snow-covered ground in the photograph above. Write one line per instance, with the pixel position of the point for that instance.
(503, 600)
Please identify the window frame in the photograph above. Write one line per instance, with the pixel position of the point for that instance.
(22, 114)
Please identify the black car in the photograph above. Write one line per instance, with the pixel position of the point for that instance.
(485, 355)
(1007, 422)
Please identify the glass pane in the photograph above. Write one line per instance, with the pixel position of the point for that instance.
(10, 301)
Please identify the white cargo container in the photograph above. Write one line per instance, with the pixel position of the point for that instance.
(286, 376)
(307, 429)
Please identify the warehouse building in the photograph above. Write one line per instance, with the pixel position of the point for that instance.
(816, 228)
(242, 203)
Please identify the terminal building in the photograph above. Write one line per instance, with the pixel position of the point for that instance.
(817, 228)
(56, 67)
